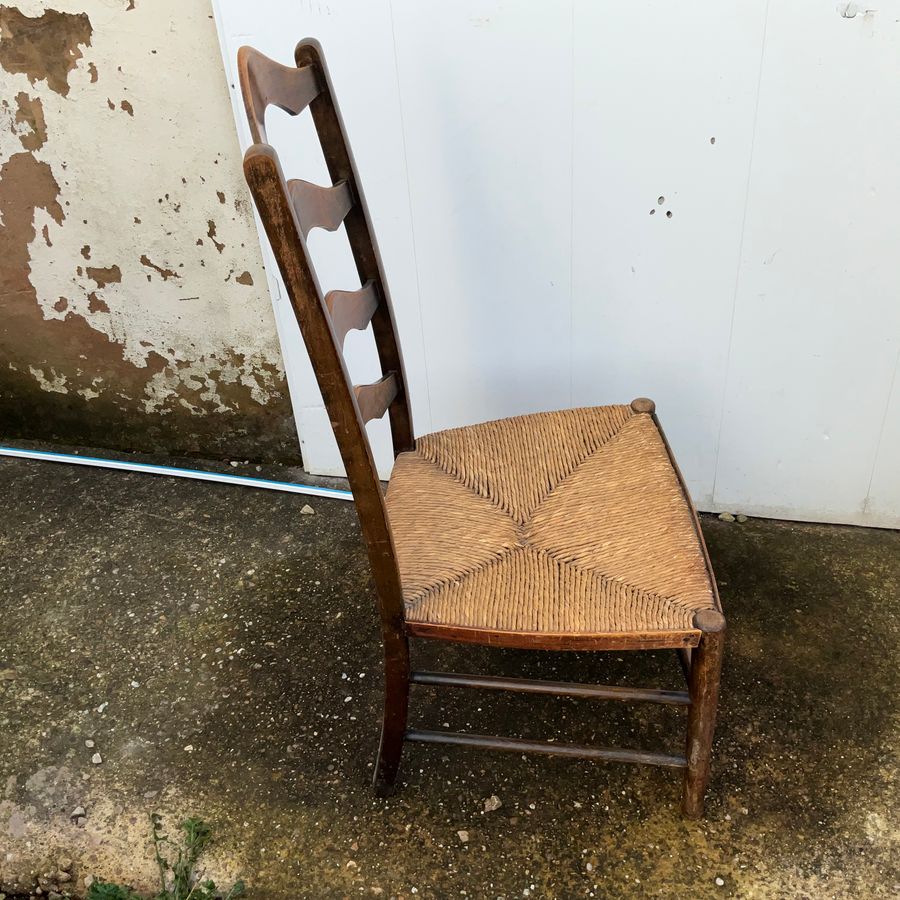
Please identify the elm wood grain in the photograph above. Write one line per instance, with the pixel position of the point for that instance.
(375, 399)
(265, 83)
(267, 185)
(702, 667)
(361, 235)
(518, 745)
(351, 310)
(554, 688)
(650, 407)
(684, 659)
(288, 211)
(536, 640)
(395, 717)
(320, 207)
(703, 686)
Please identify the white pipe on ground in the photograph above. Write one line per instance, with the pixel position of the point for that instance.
(172, 472)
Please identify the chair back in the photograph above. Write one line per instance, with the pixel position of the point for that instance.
(289, 210)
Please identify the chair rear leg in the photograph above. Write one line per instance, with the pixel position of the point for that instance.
(703, 686)
(396, 706)
(684, 657)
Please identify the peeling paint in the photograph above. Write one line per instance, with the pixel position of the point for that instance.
(31, 113)
(44, 48)
(104, 276)
(147, 349)
(165, 273)
(55, 383)
(211, 234)
(96, 303)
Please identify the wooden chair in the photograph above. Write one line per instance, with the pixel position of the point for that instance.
(570, 530)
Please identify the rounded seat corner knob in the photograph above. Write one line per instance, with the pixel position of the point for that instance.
(643, 405)
(709, 620)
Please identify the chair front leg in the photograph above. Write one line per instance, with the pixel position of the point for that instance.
(703, 687)
(396, 707)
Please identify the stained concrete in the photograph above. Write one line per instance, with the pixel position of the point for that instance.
(221, 651)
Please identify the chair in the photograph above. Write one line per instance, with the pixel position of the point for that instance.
(570, 530)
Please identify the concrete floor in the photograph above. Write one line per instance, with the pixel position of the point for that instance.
(221, 652)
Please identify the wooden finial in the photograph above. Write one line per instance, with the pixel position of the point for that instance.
(709, 620)
(643, 405)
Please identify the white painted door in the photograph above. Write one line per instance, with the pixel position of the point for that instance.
(583, 202)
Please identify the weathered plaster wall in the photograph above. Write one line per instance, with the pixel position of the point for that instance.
(134, 311)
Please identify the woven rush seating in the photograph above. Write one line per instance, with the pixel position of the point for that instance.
(568, 523)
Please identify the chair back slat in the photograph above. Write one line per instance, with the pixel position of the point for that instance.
(288, 211)
(320, 207)
(351, 310)
(374, 399)
(341, 165)
(265, 83)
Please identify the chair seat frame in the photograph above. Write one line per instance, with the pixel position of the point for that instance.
(288, 211)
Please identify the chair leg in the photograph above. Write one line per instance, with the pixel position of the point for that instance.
(703, 686)
(684, 657)
(396, 705)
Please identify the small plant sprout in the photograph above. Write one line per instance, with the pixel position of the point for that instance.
(176, 863)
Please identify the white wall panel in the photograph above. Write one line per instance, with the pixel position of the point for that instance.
(817, 320)
(486, 90)
(883, 497)
(664, 108)
(511, 154)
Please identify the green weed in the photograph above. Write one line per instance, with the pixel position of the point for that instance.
(176, 862)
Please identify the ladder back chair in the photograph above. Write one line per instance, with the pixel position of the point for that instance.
(570, 530)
